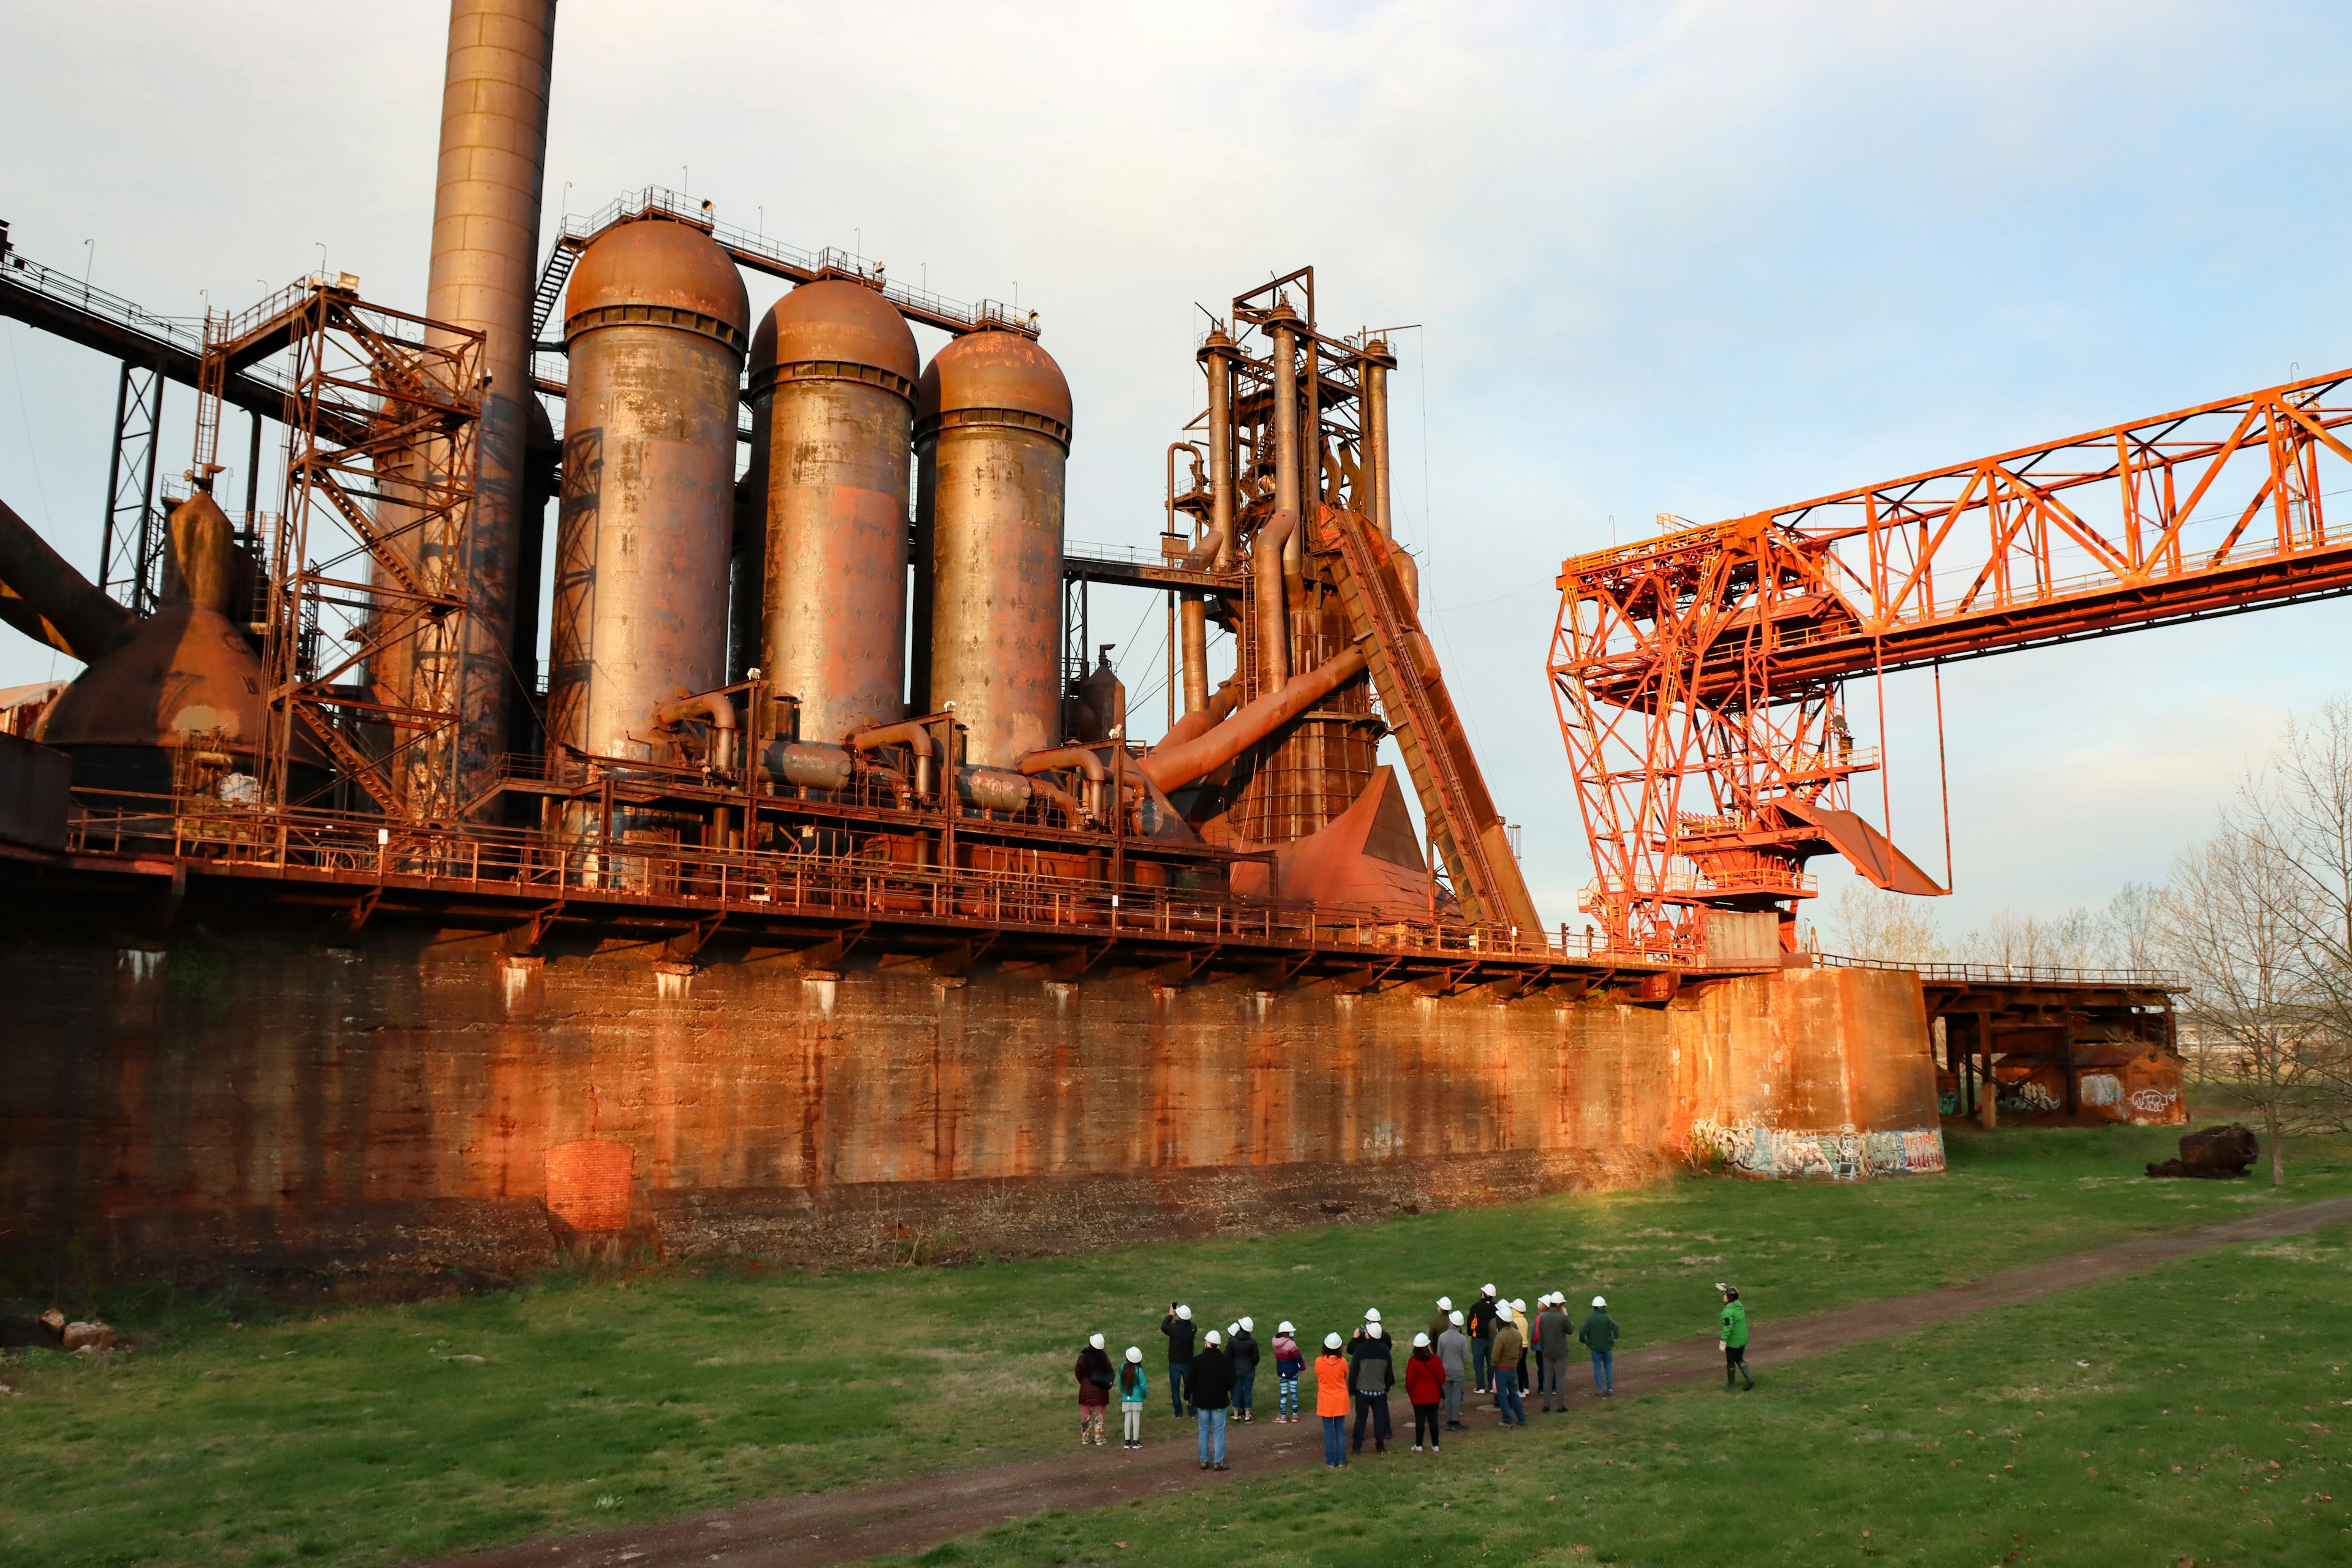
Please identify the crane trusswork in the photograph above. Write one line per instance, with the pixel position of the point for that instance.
(1699, 676)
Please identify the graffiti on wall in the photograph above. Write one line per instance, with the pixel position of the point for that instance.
(2101, 1089)
(1838, 1156)
(2032, 1095)
(2154, 1101)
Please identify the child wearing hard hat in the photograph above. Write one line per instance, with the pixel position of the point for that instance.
(1331, 1400)
(1599, 1335)
(1132, 1387)
(1731, 1339)
(1288, 1362)
(1425, 1385)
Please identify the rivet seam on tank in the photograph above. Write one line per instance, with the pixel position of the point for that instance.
(658, 316)
(765, 380)
(930, 425)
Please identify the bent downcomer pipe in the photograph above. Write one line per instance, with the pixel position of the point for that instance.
(1172, 767)
(721, 714)
(1085, 760)
(1273, 598)
(910, 733)
(70, 602)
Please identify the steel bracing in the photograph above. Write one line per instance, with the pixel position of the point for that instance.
(1699, 676)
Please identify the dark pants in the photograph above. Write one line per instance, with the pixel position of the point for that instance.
(1507, 1397)
(1555, 1375)
(1482, 1353)
(1335, 1439)
(1376, 1407)
(1244, 1388)
(1426, 1419)
(1735, 1366)
(1180, 1383)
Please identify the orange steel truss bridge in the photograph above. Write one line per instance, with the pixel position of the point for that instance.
(1699, 676)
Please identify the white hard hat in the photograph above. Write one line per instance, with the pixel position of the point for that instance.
(1185, 1313)
(1249, 1327)
(1454, 1319)
(1096, 1341)
(1503, 1310)
(1446, 1304)
(1371, 1314)
(1285, 1328)
(1215, 1338)
(1232, 1328)
(1489, 1290)
(1521, 1305)
(1373, 1331)
(1331, 1341)
(1133, 1354)
(1599, 1303)
(1421, 1342)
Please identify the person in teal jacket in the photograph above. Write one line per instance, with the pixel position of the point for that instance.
(1133, 1387)
(1732, 1338)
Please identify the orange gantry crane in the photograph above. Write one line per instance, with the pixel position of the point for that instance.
(1699, 676)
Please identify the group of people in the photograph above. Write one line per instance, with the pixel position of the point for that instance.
(1487, 1349)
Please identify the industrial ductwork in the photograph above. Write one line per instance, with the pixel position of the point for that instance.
(50, 601)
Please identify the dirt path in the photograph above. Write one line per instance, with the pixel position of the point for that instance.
(915, 1512)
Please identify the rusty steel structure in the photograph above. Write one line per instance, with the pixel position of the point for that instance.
(655, 326)
(1699, 676)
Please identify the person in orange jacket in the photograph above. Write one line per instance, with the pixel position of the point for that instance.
(1333, 1400)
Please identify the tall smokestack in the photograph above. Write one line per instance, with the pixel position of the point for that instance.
(485, 271)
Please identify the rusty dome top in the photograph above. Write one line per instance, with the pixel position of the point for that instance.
(835, 328)
(660, 272)
(994, 378)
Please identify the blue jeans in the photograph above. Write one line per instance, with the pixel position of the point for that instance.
(1213, 1435)
(1604, 1371)
(1335, 1439)
(1287, 1404)
(1245, 1389)
(1506, 1396)
(1180, 1379)
(1479, 1351)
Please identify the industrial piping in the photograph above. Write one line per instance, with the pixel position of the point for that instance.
(1081, 758)
(910, 733)
(74, 607)
(1172, 767)
(1273, 602)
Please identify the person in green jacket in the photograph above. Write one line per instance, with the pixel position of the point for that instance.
(1732, 1340)
(1600, 1336)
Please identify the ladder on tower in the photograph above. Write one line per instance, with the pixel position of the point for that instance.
(551, 278)
(1461, 816)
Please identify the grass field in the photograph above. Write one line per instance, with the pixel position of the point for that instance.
(357, 1438)
(2196, 1412)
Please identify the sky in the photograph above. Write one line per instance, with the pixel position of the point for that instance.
(1697, 258)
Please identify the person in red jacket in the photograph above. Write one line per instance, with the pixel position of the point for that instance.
(1424, 1385)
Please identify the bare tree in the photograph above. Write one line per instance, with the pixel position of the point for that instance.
(2232, 924)
(2012, 940)
(2131, 932)
(1884, 928)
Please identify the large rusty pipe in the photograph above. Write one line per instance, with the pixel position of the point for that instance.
(1213, 712)
(713, 705)
(1217, 356)
(1376, 433)
(910, 733)
(1195, 622)
(87, 622)
(1172, 767)
(1284, 325)
(1082, 758)
(1272, 600)
(483, 276)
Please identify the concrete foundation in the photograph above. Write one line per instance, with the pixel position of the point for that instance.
(405, 1100)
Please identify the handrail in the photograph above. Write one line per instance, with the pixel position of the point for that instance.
(2017, 973)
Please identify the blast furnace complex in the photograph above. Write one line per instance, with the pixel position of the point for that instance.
(817, 898)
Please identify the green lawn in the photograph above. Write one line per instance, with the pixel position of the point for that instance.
(2195, 1413)
(355, 1437)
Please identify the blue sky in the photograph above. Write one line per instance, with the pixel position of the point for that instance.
(1697, 258)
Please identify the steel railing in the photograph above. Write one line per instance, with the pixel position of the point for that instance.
(2016, 973)
(363, 851)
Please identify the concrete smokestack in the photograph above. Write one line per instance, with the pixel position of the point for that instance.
(484, 273)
